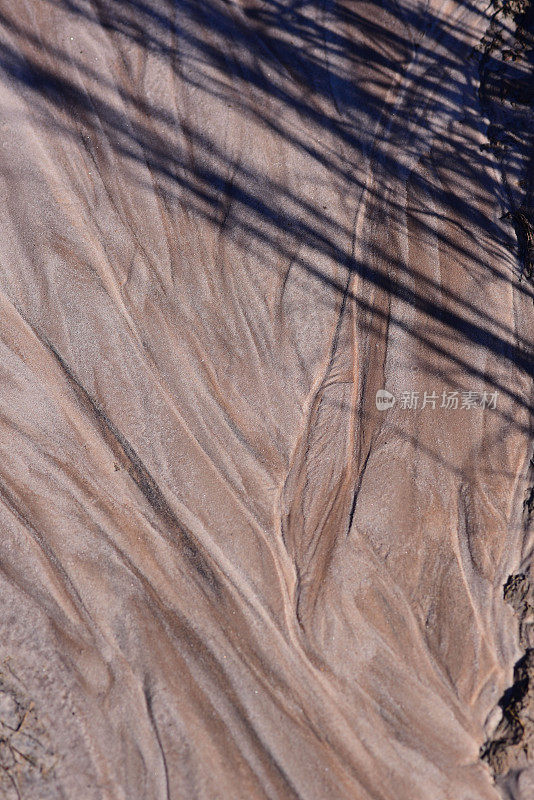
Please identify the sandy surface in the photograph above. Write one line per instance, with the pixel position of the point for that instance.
(224, 573)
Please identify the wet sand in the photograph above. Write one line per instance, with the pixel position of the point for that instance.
(225, 574)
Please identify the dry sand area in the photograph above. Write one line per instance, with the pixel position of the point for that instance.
(226, 571)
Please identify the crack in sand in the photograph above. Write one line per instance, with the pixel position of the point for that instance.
(25, 754)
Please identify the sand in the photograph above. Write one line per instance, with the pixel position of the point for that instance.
(225, 573)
